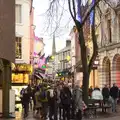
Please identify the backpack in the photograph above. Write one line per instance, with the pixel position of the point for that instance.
(43, 96)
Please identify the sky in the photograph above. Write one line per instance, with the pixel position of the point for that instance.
(40, 21)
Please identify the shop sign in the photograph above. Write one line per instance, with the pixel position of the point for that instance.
(22, 68)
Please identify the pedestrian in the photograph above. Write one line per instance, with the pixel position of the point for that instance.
(78, 103)
(52, 96)
(38, 102)
(114, 93)
(106, 94)
(66, 97)
(26, 101)
(44, 101)
(59, 101)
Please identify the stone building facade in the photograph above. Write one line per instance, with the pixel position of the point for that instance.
(109, 45)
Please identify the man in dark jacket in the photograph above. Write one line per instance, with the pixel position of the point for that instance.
(66, 96)
(26, 101)
(114, 93)
(106, 94)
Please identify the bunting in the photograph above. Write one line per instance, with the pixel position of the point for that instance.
(47, 59)
(41, 57)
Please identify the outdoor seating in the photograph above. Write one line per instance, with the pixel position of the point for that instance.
(93, 106)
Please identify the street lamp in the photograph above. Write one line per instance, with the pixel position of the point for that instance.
(96, 62)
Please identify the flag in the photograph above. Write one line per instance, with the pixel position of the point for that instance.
(41, 62)
(37, 38)
(39, 54)
(35, 54)
(47, 59)
(92, 13)
(41, 57)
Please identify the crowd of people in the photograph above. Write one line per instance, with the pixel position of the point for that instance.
(62, 101)
(55, 100)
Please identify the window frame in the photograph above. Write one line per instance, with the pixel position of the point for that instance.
(19, 42)
(21, 20)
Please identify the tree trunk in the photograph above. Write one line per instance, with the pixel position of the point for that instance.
(84, 65)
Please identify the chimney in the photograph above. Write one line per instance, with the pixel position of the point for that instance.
(68, 43)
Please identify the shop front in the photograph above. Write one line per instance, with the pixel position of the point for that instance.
(20, 77)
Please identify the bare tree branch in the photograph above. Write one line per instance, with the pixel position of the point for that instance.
(88, 11)
(69, 5)
(95, 46)
(74, 9)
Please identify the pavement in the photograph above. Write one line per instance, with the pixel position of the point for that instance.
(100, 116)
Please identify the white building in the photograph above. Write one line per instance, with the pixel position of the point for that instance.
(23, 31)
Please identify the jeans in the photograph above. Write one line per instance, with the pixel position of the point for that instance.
(66, 112)
(44, 109)
(26, 109)
(114, 104)
(79, 115)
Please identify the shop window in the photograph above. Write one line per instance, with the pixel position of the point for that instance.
(18, 48)
(18, 13)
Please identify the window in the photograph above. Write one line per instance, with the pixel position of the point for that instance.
(18, 13)
(109, 30)
(18, 48)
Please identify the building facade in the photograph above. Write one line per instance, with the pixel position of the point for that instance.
(109, 45)
(63, 57)
(22, 10)
(60, 62)
(76, 56)
(22, 68)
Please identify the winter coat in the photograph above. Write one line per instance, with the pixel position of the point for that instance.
(114, 92)
(77, 97)
(105, 93)
(97, 95)
(65, 96)
(38, 103)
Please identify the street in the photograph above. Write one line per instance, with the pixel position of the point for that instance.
(111, 116)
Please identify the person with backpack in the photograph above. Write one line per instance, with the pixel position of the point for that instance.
(52, 96)
(66, 96)
(38, 102)
(44, 101)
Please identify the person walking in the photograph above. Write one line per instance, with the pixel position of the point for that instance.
(106, 94)
(66, 96)
(78, 103)
(26, 101)
(114, 93)
(38, 102)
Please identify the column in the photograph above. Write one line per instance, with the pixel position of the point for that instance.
(6, 87)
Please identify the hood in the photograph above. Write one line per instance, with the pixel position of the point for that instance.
(78, 88)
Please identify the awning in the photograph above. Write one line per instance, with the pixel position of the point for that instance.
(38, 76)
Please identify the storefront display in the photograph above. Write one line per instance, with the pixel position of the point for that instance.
(20, 73)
